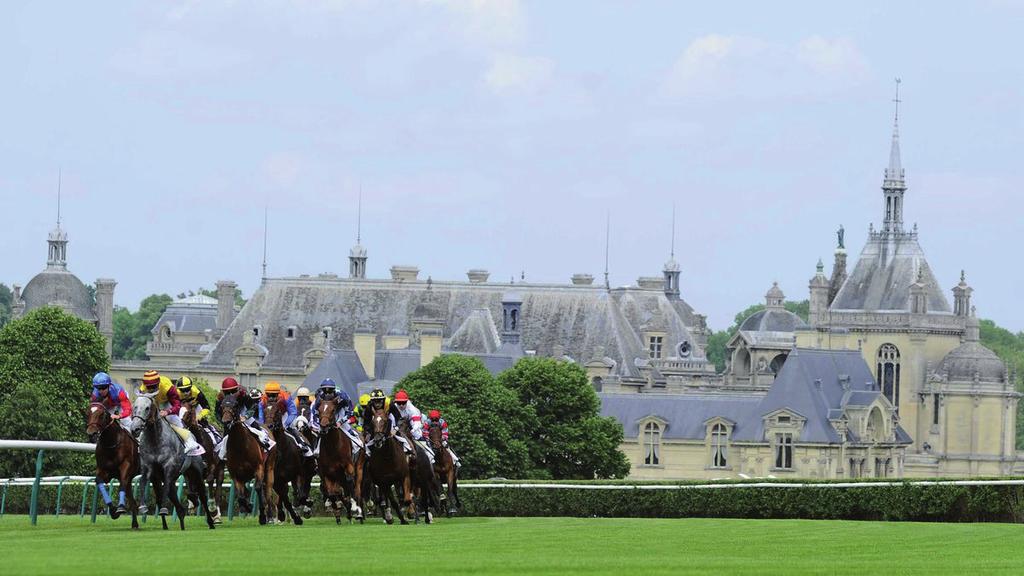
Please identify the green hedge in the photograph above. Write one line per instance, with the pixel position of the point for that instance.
(901, 502)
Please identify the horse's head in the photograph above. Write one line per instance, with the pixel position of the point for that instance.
(435, 437)
(326, 411)
(188, 414)
(97, 419)
(144, 411)
(381, 425)
(229, 411)
(274, 413)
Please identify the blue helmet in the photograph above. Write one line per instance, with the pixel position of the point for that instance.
(328, 383)
(101, 379)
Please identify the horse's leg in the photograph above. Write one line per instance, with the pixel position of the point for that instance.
(126, 487)
(198, 479)
(143, 481)
(360, 498)
(388, 495)
(296, 519)
(218, 489)
(160, 498)
(453, 491)
(171, 477)
(263, 475)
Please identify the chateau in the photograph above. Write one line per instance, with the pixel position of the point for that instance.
(884, 379)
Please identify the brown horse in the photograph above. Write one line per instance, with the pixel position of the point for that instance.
(425, 484)
(445, 470)
(309, 465)
(335, 463)
(288, 467)
(117, 456)
(246, 460)
(388, 467)
(214, 465)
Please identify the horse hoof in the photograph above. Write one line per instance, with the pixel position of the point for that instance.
(298, 521)
(430, 517)
(143, 509)
(164, 512)
(405, 522)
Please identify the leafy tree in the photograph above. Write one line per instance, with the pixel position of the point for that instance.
(47, 361)
(486, 419)
(716, 348)
(570, 438)
(1010, 349)
(239, 301)
(6, 300)
(133, 330)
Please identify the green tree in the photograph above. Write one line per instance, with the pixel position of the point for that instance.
(486, 419)
(570, 438)
(6, 300)
(716, 348)
(1010, 349)
(47, 361)
(239, 301)
(133, 330)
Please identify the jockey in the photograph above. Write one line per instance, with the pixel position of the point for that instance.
(329, 391)
(303, 403)
(193, 399)
(247, 410)
(380, 401)
(273, 393)
(409, 412)
(112, 397)
(169, 401)
(434, 419)
(357, 412)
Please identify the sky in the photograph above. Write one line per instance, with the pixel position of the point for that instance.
(501, 135)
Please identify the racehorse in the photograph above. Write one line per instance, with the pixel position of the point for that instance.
(388, 467)
(214, 465)
(445, 470)
(309, 464)
(335, 463)
(246, 460)
(421, 475)
(289, 465)
(117, 456)
(163, 460)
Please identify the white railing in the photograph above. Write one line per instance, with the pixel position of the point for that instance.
(526, 485)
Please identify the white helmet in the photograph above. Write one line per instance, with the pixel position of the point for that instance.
(302, 392)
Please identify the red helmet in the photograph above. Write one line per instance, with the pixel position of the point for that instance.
(434, 414)
(229, 385)
(402, 396)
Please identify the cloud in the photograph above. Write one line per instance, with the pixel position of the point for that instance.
(487, 22)
(513, 72)
(741, 67)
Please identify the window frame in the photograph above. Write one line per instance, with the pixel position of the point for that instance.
(719, 434)
(784, 448)
(651, 434)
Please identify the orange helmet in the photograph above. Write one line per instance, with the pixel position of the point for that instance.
(272, 387)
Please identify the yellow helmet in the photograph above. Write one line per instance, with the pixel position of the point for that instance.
(272, 387)
(364, 400)
(184, 386)
(302, 392)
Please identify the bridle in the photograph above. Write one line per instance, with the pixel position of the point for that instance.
(150, 419)
(331, 416)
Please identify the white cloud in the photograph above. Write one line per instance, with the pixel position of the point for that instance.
(723, 66)
(513, 72)
(487, 22)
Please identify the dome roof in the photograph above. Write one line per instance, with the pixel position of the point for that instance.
(55, 287)
(772, 320)
(971, 358)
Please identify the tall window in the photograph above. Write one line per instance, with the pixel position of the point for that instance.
(784, 451)
(652, 444)
(889, 373)
(719, 446)
(935, 409)
(656, 343)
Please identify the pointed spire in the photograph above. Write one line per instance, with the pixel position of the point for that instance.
(57, 241)
(894, 173)
(357, 255)
(266, 217)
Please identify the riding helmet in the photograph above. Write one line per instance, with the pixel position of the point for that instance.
(100, 379)
(402, 396)
(229, 385)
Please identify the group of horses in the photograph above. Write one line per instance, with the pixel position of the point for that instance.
(394, 482)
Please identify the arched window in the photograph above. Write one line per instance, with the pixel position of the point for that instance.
(777, 363)
(652, 444)
(514, 320)
(742, 362)
(888, 374)
(719, 446)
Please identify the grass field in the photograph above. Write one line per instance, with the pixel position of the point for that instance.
(513, 546)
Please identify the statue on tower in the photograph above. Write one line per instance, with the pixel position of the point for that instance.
(841, 236)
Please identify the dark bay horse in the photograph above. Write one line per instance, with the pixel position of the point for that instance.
(337, 471)
(309, 464)
(421, 475)
(163, 460)
(445, 470)
(289, 467)
(117, 456)
(246, 460)
(387, 467)
(214, 465)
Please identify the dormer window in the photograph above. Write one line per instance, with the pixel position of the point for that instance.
(652, 444)
(719, 446)
(684, 349)
(257, 330)
(784, 420)
(654, 346)
(290, 332)
(784, 450)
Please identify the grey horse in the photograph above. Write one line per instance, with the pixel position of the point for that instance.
(163, 460)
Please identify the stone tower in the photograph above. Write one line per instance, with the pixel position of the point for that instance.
(105, 310)
(225, 304)
(819, 299)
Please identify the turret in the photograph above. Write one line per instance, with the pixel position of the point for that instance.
(819, 300)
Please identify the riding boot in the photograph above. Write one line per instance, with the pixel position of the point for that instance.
(455, 459)
(222, 448)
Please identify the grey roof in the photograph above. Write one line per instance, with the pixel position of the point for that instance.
(58, 287)
(684, 413)
(478, 332)
(772, 320)
(579, 319)
(881, 279)
(188, 317)
(343, 367)
(970, 359)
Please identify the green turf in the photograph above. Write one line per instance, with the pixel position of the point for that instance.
(513, 546)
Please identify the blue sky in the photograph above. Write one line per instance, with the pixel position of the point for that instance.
(499, 135)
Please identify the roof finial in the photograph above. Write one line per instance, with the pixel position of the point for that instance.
(897, 101)
(359, 216)
(963, 276)
(266, 213)
(607, 242)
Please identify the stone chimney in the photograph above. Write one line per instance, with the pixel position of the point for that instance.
(225, 304)
(582, 279)
(396, 340)
(365, 343)
(651, 283)
(478, 276)
(17, 304)
(404, 273)
(838, 274)
(430, 345)
(511, 318)
(105, 309)
(819, 288)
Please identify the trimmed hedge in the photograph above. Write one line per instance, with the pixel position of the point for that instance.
(901, 502)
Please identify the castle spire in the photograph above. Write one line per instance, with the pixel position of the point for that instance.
(671, 271)
(357, 255)
(57, 241)
(894, 184)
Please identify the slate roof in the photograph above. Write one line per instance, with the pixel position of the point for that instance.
(189, 315)
(58, 287)
(579, 319)
(685, 413)
(772, 320)
(881, 279)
